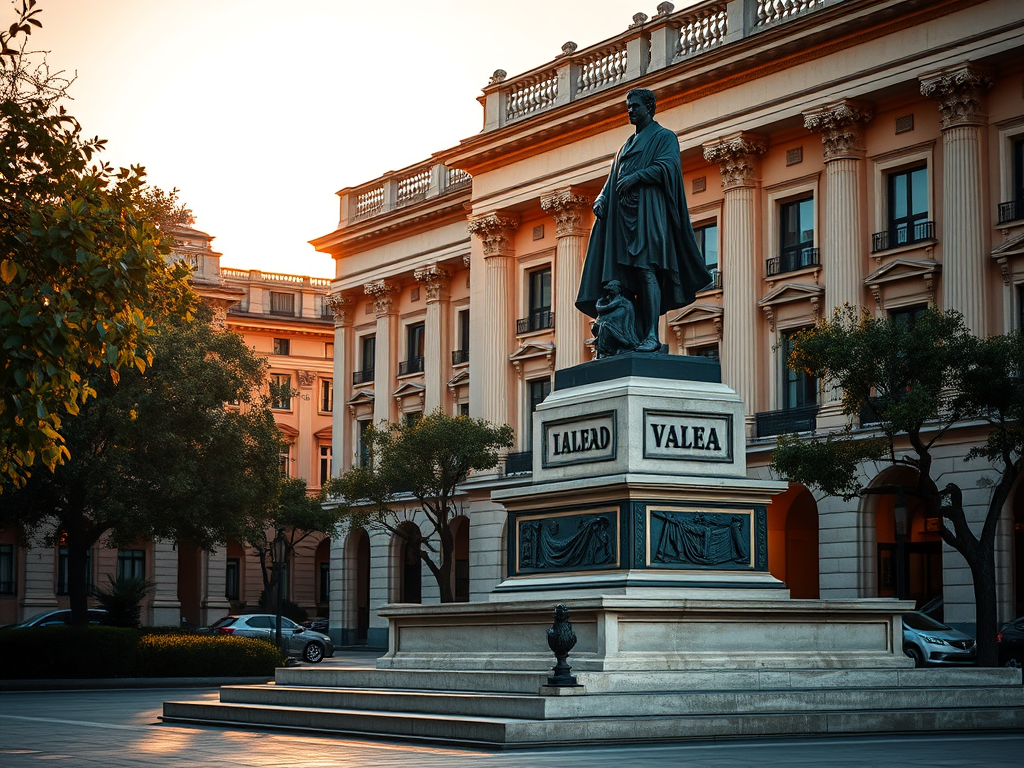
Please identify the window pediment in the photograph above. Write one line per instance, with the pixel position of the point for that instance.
(695, 313)
(903, 269)
(362, 397)
(792, 293)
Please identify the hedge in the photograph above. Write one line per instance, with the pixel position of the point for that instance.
(104, 652)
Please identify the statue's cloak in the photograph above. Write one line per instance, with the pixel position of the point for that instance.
(648, 229)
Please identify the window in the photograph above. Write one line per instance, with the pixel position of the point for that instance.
(796, 236)
(282, 346)
(464, 409)
(131, 563)
(282, 304)
(328, 350)
(907, 316)
(1013, 209)
(1020, 307)
(62, 569)
(799, 388)
(362, 445)
(367, 351)
(232, 578)
(413, 417)
(6, 569)
(284, 460)
(707, 241)
(413, 362)
(907, 200)
(325, 582)
(538, 390)
(326, 395)
(461, 355)
(540, 315)
(709, 351)
(325, 463)
(281, 391)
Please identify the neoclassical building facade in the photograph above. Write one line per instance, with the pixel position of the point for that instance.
(861, 152)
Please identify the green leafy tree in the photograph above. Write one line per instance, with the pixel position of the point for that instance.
(428, 459)
(293, 516)
(920, 380)
(81, 263)
(159, 455)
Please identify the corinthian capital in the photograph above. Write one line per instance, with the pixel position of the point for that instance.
(960, 91)
(340, 307)
(435, 280)
(841, 127)
(737, 158)
(568, 208)
(382, 292)
(495, 230)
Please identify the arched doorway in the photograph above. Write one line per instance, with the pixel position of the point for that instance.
(358, 558)
(460, 565)
(915, 573)
(190, 562)
(793, 541)
(322, 564)
(408, 567)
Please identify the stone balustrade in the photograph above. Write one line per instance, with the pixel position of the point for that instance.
(274, 277)
(646, 46)
(398, 189)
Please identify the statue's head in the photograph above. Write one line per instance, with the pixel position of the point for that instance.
(613, 287)
(645, 97)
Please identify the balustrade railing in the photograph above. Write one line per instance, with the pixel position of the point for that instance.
(794, 260)
(412, 365)
(401, 189)
(601, 68)
(786, 421)
(902, 235)
(460, 356)
(363, 376)
(413, 188)
(519, 462)
(704, 30)
(531, 95)
(769, 11)
(1011, 211)
(537, 320)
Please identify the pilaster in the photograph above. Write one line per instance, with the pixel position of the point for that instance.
(960, 91)
(569, 209)
(214, 603)
(38, 595)
(436, 345)
(738, 158)
(341, 307)
(382, 292)
(166, 606)
(495, 231)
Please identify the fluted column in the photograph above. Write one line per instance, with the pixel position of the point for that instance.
(213, 575)
(738, 160)
(436, 346)
(494, 231)
(166, 605)
(383, 369)
(341, 308)
(569, 210)
(960, 92)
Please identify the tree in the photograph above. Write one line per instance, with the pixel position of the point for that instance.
(428, 459)
(920, 380)
(159, 455)
(81, 263)
(294, 516)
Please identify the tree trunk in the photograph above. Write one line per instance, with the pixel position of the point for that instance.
(983, 571)
(78, 578)
(444, 568)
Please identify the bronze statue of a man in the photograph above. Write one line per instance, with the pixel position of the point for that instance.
(643, 237)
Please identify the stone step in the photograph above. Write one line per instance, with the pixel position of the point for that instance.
(509, 733)
(637, 682)
(622, 705)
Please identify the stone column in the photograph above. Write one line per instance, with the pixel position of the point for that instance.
(341, 308)
(383, 373)
(569, 210)
(39, 578)
(842, 244)
(494, 231)
(214, 603)
(737, 157)
(306, 407)
(960, 91)
(436, 342)
(166, 606)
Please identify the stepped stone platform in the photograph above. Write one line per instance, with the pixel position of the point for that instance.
(507, 709)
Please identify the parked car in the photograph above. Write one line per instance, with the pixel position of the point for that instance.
(318, 624)
(301, 643)
(58, 618)
(928, 641)
(1011, 643)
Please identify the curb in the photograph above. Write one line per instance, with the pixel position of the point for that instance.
(129, 682)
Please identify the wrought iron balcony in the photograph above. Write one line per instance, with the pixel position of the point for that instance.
(460, 356)
(786, 421)
(902, 235)
(538, 320)
(794, 260)
(363, 376)
(412, 365)
(1011, 211)
(716, 280)
(519, 462)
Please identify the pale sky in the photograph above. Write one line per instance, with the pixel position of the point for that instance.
(259, 111)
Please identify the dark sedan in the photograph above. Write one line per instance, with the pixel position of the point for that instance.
(1011, 643)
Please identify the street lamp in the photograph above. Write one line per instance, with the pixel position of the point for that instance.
(280, 546)
(901, 518)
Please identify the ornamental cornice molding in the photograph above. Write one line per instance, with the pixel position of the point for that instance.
(340, 307)
(737, 158)
(495, 231)
(435, 279)
(841, 125)
(306, 378)
(960, 91)
(568, 208)
(382, 293)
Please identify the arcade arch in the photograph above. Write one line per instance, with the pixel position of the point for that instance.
(793, 541)
(357, 558)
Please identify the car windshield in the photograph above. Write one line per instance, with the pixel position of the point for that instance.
(35, 618)
(919, 621)
(227, 621)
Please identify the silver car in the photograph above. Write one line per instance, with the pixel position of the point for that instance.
(927, 641)
(301, 643)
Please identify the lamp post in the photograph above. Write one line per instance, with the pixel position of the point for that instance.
(280, 556)
(901, 518)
